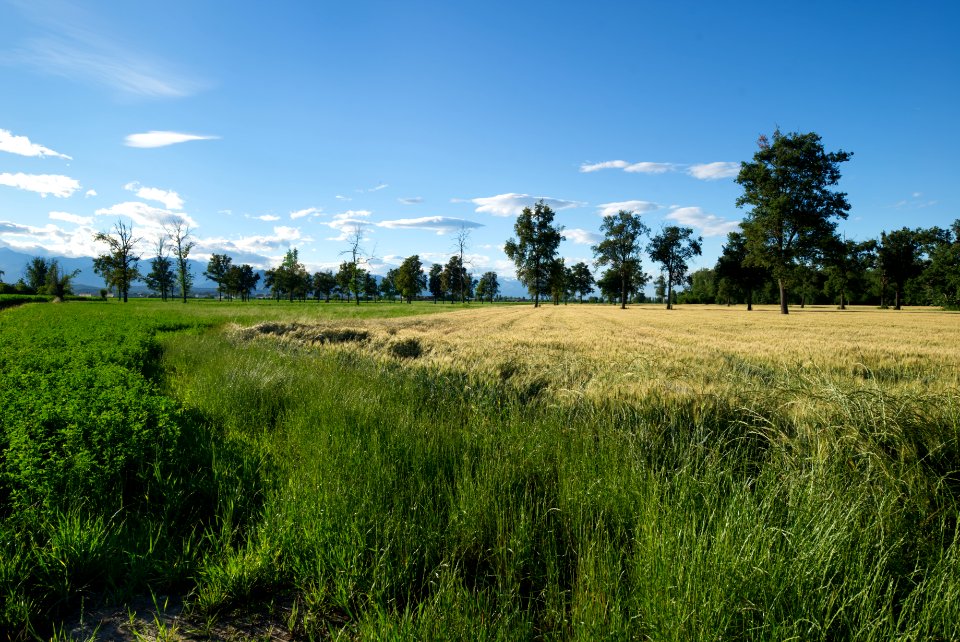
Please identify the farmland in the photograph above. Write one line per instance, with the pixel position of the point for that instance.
(497, 472)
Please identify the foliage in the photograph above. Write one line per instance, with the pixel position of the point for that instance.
(737, 277)
(488, 287)
(218, 267)
(672, 248)
(535, 248)
(792, 208)
(161, 279)
(620, 248)
(182, 244)
(410, 279)
(435, 282)
(118, 267)
(324, 284)
(454, 279)
(581, 279)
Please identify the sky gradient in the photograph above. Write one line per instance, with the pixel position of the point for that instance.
(269, 127)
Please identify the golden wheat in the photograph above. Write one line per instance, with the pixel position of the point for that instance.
(602, 351)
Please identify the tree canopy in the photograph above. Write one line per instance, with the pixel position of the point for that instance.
(620, 247)
(672, 248)
(793, 211)
(535, 248)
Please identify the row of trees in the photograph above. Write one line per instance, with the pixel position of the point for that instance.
(42, 276)
(534, 252)
(292, 281)
(169, 268)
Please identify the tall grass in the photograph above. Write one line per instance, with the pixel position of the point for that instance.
(400, 501)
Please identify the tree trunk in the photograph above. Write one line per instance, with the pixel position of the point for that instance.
(623, 292)
(897, 297)
(843, 305)
(670, 296)
(783, 297)
(749, 300)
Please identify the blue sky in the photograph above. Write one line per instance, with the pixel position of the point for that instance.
(270, 126)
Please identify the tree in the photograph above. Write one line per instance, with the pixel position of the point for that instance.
(703, 288)
(351, 279)
(535, 248)
(240, 281)
(35, 273)
(435, 282)
(672, 248)
(160, 278)
(454, 278)
(620, 248)
(357, 259)
(388, 285)
(943, 275)
(179, 235)
(847, 266)
(370, 288)
(793, 211)
(324, 284)
(290, 278)
(118, 266)
(410, 279)
(734, 275)
(557, 285)
(217, 269)
(900, 258)
(460, 240)
(581, 279)
(59, 281)
(488, 287)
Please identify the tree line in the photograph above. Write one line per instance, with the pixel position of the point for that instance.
(786, 250)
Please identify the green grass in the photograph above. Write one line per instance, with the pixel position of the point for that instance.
(387, 501)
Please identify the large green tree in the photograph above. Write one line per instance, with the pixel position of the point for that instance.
(581, 280)
(118, 266)
(217, 268)
(848, 263)
(410, 279)
(455, 279)
(488, 287)
(435, 282)
(672, 248)
(902, 256)
(620, 247)
(793, 211)
(324, 284)
(535, 248)
(35, 273)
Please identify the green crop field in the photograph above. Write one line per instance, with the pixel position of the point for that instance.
(485, 472)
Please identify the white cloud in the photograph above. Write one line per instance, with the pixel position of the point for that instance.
(162, 139)
(714, 171)
(21, 145)
(649, 168)
(413, 200)
(440, 224)
(90, 192)
(513, 204)
(42, 184)
(594, 167)
(49, 239)
(310, 211)
(170, 199)
(341, 197)
(378, 187)
(641, 207)
(348, 223)
(708, 224)
(582, 237)
(71, 218)
(265, 217)
(259, 250)
(146, 215)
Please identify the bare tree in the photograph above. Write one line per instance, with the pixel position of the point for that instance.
(358, 259)
(118, 266)
(460, 242)
(179, 235)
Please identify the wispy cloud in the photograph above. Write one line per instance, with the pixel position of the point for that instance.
(90, 192)
(22, 146)
(439, 224)
(413, 200)
(71, 218)
(708, 224)
(714, 171)
(607, 209)
(70, 46)
(513, 204)
(310, 211)
(146, 215)
(170, 199)
(644, 167)
(265, 217)
(915, 202)
(162, 139)
(341, 197)
(582, 237)
(42, 184)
